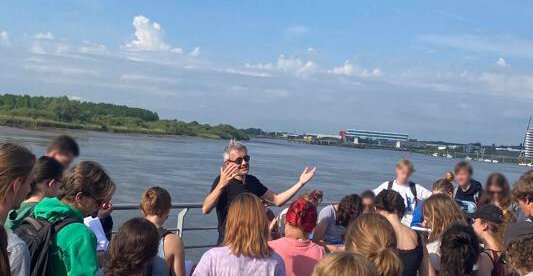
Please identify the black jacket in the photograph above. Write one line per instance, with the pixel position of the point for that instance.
(473, 194)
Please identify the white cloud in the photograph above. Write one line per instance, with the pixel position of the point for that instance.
(296, 65)
(177, 50)
(501, 62)
(353, 70)
(75, 98)
(296, 30)
(61, 70)
(36, 48)
(44, 36)
(195, 52)
(260, 66)
(4, 38)
(148, 36)
(312, 51)
(93, 49)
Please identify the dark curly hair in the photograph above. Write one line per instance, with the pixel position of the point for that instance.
(390, 201)
(350, 208)
(459, 250)
(519, 254)
(132, 248)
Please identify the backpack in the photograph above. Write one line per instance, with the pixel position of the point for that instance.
(499, 267)
(37, 234)
(412, 186)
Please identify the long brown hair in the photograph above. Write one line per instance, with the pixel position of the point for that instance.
(345, 264)
(372, 236)
(246, 231)
(441, 212)
(498, 180)
(132, 248)
(16, 161)
(4, 256)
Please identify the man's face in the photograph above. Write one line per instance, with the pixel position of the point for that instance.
(402, 174)
(368, 205)
(462, 178)
(64, 158)
(526, 206)
(238, 155)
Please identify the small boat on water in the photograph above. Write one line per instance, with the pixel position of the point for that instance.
(449, 156)
(495, 161)
(522, 164)
(487, 160)
(435, 154)
(468, 158)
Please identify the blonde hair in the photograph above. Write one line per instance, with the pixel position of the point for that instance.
(156, 202)
(88, 178)
(441, 212)
(16, 162)
(372, 236)
(405, 163)
(246, 231)
(345, 264)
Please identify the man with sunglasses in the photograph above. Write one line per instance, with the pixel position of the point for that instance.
(234, 180)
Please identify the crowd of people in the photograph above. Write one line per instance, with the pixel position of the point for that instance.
(58, 221)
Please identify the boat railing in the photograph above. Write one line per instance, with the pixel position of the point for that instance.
(183, 209)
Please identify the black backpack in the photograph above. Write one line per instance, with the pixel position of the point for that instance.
(37, 234)
(412, 186)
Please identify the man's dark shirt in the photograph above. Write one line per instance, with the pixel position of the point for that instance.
(473, 194)
(233, 189)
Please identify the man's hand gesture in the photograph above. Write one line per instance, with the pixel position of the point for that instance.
(307, 175)
(227, 174)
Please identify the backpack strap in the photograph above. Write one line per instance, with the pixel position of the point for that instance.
(389, 187)
(412, 186)
(455, 191)
(64, 221)
(163, 232)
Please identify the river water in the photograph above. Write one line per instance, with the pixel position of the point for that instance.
(186, 166)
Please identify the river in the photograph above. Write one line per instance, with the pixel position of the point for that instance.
(186, 166)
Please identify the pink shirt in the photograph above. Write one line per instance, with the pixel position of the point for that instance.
(299, 256)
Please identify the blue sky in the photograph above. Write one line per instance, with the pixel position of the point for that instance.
(452, 70)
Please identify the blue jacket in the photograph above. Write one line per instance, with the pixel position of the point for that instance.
(418, 216)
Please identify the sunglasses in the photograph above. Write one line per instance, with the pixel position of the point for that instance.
(495, 192)
(239, 160)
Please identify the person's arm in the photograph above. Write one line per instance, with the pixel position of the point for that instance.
(82, 256)
(226, 174)
(19, 259)
(175, 255)
(485, 265)
(425, 266)
(282, 198)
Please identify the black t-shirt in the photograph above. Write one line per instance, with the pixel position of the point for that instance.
(233, 189)
(473, 194)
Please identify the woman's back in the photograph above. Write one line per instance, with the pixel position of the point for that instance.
(299, 256)
(219, 261)
(410, 251)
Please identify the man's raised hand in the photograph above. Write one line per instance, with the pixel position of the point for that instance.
(307, 175)
(227, 174)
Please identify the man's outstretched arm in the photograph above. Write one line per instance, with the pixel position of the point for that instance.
(211, 199)
(282, 198)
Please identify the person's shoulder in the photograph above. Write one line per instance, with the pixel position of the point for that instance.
(276, 257)
(173, 240)
(76, 231)
(252, 178)
(14, 241)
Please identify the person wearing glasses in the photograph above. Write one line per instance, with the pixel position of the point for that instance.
(47, 175)
(235, 180)
(85, 189)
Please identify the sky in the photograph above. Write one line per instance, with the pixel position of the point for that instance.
(459, 71)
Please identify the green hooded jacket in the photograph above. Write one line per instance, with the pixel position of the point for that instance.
(73, 251)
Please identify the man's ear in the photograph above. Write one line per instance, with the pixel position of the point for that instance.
(77, 197)
(51, 183)
(15, 185)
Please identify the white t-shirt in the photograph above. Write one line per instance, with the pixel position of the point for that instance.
(19, 255)
(434, 254)
(409, 199)
(96, 226)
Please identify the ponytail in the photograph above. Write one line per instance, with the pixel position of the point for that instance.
(387, 262)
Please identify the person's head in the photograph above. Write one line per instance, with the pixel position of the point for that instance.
(350, 208)
(390, 202)
(523, 193)
(87, 187)
(237, 153)
(246, 231)
(47, 177)
(302, 213)
(16, 174)
(64, 149)
(314, 197)
(345, 264)
(156, 202)
(372, 236)
(518, 255)
(440, 212)
(463, 172)
(132, 248)
(368, 200)
(404, 169)
(488, 220)
(459, 251)
(444, 185)
(497, 191)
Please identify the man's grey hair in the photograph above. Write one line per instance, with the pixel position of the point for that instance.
(233, 145)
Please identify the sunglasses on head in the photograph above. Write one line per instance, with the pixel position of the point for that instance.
(239, 160)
